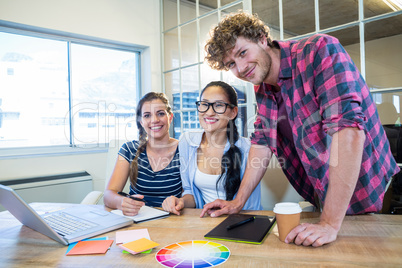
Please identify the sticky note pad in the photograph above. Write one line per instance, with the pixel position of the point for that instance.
(90, 247)
(88, 239)
(131, 235)
(139, 245)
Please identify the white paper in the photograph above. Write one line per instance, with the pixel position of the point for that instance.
(131, 235)
(145, 213)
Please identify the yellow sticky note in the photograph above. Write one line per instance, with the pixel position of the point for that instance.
(139, 245)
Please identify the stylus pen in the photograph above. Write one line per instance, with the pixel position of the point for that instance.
(132, 197)
(237, 224)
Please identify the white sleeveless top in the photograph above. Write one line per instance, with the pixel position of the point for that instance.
(206, 183)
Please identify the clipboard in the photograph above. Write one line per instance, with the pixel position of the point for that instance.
(252, 232)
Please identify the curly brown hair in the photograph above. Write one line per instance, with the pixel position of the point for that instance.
(224, 36)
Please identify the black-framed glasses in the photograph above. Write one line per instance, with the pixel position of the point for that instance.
(219, 107)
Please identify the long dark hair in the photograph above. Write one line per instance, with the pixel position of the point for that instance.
(231, 160)
(143, 137)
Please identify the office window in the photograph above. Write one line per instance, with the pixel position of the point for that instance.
(103, 94)
(34, 91)
(383, 39)
(60, 92)
(185, 73)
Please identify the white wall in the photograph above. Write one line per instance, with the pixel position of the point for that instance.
(130, 21)
(276, 188)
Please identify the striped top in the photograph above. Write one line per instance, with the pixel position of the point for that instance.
(154, 186)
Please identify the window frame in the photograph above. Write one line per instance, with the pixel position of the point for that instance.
(249, 105)
(69, 38)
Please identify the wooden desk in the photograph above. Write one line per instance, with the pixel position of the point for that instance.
(364, 241)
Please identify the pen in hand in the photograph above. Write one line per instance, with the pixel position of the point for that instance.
(237, 224)
(132, 197)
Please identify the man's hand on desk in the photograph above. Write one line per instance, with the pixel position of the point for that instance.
(316, 235)
(220, 207)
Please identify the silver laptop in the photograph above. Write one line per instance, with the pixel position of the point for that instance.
(65, 226)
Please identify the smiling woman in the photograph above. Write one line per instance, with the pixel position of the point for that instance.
(213, 161)
(152, 163)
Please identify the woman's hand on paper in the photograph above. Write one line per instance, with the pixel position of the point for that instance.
(131, 207)
(173, 205)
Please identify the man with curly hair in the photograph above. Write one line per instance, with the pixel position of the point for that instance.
(316, 114)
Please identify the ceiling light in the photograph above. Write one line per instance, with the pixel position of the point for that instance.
(395, 5)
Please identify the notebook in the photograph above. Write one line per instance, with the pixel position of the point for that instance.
(82, 221)
(146, 213)
(251, 232)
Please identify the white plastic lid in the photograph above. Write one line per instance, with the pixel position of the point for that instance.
(287, 208)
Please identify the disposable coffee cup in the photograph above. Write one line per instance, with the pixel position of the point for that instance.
(287, 217)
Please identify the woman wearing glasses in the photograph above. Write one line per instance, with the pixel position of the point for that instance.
(212, 161)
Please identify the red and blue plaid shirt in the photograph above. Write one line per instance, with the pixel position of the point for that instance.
(323, 93)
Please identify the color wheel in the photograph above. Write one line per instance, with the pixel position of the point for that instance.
(196, 254)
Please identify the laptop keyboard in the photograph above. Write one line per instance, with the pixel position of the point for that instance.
(65, 224)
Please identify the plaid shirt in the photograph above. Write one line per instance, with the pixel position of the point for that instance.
(323, 93)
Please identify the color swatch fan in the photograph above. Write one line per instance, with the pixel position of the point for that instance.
(193, 254)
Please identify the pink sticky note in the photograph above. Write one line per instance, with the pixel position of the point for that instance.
(90, 247)
(131, 235)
